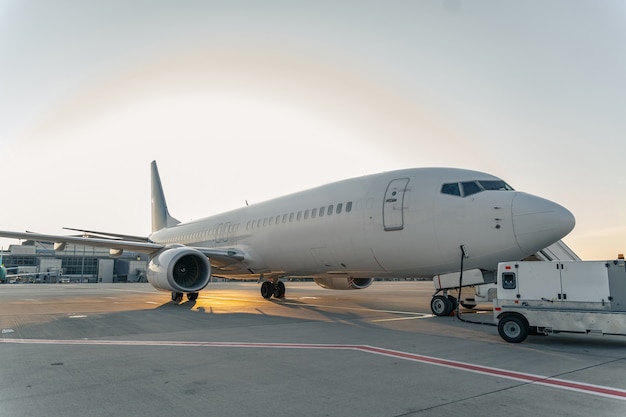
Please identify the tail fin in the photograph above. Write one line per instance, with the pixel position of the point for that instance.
(160, 216)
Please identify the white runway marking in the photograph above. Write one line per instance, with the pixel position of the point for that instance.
(413, 317)
(597, 390)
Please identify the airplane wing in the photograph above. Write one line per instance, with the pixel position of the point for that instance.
(107, 235)
(219, 258)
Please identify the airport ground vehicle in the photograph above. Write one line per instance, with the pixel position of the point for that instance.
(443, 302)
(563, 296)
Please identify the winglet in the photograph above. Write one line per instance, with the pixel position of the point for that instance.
(160, 216)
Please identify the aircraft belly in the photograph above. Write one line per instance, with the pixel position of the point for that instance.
(320, 249)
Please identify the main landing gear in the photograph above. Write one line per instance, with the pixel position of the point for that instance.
(178, 296)
(273, 288)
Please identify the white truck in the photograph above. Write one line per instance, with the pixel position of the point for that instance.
(562, 296)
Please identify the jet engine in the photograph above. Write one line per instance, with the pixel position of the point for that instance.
(179, 269)
(343, 283)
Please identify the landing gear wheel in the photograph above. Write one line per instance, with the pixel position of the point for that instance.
(441, 305)
(279, 290)
(267, 290)
(513, 329)
(192, 296)
(177, 296)
(454, 302)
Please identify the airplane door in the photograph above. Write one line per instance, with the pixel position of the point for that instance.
(393, 205)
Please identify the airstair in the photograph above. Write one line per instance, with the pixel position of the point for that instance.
(558, 251)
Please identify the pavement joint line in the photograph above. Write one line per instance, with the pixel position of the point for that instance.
(598, 390)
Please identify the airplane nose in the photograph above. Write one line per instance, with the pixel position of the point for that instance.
(538, 222)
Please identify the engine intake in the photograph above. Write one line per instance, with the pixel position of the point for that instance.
(179, 269)
(343, 283)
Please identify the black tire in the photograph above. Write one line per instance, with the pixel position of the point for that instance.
(192, 296)
(267, 290)
(441, 305)
(177, 296)
(454, 301)
(279, 290)
(513, 328)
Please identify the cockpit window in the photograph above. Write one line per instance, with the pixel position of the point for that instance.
(452, 189)
(498, 185)
(470, 187)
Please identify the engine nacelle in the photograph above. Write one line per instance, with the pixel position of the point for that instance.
(179, 269)
(343, 283)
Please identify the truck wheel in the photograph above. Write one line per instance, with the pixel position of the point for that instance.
(441, 305)
(513, 329)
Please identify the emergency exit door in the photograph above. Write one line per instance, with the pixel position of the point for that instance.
(393, 205)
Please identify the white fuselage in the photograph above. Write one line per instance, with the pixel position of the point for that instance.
(393, 224)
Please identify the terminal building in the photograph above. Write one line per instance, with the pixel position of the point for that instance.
(38, 262)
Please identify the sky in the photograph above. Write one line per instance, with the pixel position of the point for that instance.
(248, 100)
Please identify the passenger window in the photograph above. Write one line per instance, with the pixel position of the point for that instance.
(306, 214)
(291, 217)
(284, 218)
(451, 189)
(330, 210)
(314, 213)
(339, 207)
(470, 188)
(508, 281)
(271, 221)
(265, 222)
(322, 211)
(299, 217)
(349, 207)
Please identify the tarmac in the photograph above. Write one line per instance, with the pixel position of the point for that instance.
(127, 350)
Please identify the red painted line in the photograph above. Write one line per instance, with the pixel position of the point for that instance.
(502, 373)
(485, 370)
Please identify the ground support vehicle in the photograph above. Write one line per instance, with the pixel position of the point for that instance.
(444, 302)
(563, 296)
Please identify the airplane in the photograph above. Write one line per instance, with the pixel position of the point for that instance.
(406, 223)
